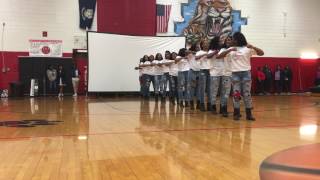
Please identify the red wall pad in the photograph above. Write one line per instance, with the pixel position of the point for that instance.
(128, 17)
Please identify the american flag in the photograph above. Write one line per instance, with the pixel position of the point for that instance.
(163, 15)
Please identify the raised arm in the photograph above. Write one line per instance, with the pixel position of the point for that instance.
(200, 56)
(258, 50)
(225, 53)
(213, 53)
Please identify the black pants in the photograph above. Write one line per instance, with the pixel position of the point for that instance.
(260, 86)
(287, 86)
(267, 85)
(317, 82)
(278, 86)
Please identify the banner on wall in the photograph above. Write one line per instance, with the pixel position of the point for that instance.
(86, 9)
(45, 48)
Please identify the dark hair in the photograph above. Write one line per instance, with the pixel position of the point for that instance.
(182, 52)
(145, 58)
(225, 42)
(240, 39)
(215, 43)
(167, 52)
(151, 56)
(173, 54)
(159, 56)
(193, 47)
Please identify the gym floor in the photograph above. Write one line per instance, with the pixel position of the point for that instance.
(128, 138)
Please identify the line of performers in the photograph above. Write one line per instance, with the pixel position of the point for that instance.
(198, 73)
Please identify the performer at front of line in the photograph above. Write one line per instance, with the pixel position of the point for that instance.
(241, 73)
(226, 78)
(216, 72)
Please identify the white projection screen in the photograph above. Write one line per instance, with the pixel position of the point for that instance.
(112, 59)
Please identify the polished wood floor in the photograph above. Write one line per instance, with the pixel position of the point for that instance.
(125, 138)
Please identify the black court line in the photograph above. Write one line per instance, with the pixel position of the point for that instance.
(290, 169)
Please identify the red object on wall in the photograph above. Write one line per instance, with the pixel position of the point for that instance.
(44, 34)
(130, 17)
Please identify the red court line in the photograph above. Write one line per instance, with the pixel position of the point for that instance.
(152, 131)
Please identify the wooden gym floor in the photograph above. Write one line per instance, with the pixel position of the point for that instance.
(125, 138)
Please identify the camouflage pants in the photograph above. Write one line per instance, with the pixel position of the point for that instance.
(164, 83)
(195, 90)
(184, 79)
(204, 84)
(241, 82)
(147, 80)
(225, 90)
(173, 83)
(225, 83)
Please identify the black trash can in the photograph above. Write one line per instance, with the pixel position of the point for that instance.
(16, 89)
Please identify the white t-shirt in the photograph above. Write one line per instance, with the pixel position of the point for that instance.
(141, 69)
(220, 67)
(157, 70)
(173, 68)
(240, 59)
(183, 64)
(165, 68)
(227, 64)
(204, 61)
(148, 69)
(194, 64)
(217, 66)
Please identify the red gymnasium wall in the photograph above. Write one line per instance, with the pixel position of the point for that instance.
(133, 17)
(304, 71)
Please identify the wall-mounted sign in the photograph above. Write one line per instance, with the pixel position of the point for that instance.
(46, 48)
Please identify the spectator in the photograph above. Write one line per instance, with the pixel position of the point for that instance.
(268, 81)
(52, 76)
(287, 77)
(317, 82)
(61, 79)
(261, 77)
(278, 80)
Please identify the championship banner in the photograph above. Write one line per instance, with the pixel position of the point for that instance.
(46, 48)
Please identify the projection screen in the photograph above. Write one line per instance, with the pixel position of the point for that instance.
(112, 59)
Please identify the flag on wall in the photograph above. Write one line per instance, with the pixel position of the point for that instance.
(87, 9)
(163, 15)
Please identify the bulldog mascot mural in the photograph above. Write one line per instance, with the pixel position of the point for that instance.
(212, 18)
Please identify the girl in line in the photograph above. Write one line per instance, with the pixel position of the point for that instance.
(204, 78)
(165, 76)
(173, 80)
(149, 77)
(226, 78)
(183, 78)
(241, 73)
(158, 73)
(195, 73)
(216, 73)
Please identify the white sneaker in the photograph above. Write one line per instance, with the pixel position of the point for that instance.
(75, 95)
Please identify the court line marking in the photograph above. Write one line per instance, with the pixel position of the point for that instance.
(153, 131)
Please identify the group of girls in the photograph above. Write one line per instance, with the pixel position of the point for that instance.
(197, 75)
